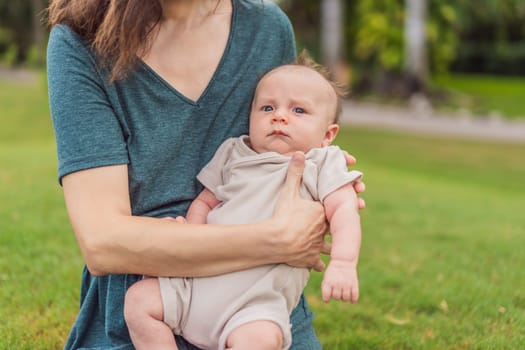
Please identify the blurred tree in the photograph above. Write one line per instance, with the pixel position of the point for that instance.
(21, 32)
(39, 31)
(380, 38)
(492, 35)
(331, 31)
(374, 40)
(306, 21)
(416, 63)
(332, 17)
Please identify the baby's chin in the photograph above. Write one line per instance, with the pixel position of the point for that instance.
(277, 147)
(281, 150)
(282, 145)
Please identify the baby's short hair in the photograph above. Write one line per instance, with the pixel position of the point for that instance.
(341, 90)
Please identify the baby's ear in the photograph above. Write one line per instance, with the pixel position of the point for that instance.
(330, 134)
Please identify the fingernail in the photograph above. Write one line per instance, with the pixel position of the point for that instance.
(297, 156)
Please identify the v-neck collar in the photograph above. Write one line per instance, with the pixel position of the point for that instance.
(216, 73)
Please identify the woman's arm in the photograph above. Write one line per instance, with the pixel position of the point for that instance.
(112, 240)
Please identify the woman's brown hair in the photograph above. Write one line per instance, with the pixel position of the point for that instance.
(118, 30)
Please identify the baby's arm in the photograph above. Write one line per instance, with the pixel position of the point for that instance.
(340, 279)
(201, 206)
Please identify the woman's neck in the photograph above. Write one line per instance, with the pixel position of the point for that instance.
(188, 13)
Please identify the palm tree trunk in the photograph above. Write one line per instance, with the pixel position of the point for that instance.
(416, 63)
(38, 37)
(332, 38)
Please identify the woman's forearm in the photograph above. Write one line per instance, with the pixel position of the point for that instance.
(114, 241)
(143, 245)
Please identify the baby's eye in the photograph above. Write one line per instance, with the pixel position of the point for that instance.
(267, 108)
(298, 110)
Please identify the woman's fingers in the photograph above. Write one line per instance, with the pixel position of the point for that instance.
(359, 186)
(290, 190)
(350, 159)
(319, 266)
(294, 177)
(304, 221)
(327, 248)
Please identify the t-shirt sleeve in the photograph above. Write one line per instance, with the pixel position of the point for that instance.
(211, 176)
(280, 32)
(333, 172)
(288, 39)
(87, 131)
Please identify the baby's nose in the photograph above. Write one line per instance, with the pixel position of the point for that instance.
(279, 118)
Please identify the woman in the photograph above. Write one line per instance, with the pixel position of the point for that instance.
(142, 93)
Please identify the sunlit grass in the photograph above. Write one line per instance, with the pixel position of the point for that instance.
(441, 247)
(39, 261)
(24, 112)
(486, 94)
(441, 263)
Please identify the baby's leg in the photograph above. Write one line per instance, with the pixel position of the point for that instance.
(143, 312)
(256, 335)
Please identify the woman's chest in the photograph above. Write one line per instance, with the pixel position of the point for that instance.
(188, 61)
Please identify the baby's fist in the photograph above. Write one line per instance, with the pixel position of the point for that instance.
(340, 282)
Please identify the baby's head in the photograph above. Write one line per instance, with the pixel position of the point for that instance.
(295, 108)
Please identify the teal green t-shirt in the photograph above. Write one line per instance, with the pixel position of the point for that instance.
(163, 137)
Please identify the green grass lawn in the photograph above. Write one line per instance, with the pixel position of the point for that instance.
(39, 260)
(485, 94)
(441, 263)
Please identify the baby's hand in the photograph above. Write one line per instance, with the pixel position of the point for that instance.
(179, 219)
(340, 281)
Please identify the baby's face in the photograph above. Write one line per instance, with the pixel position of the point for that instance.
(293, 110)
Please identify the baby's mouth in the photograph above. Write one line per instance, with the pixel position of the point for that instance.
(278, 133)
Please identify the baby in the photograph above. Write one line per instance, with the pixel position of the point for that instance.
(295, 108)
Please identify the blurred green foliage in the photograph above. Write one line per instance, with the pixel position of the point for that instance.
(492, 36)
(377, 36)
(485, 36)
(22, 32)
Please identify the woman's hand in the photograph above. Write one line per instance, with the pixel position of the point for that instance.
(359, 186)
(301, 223)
